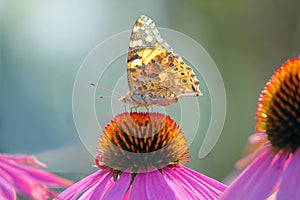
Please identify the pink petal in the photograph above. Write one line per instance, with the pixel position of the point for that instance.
(6, 190)
(180, 186)
(150, 185)
(118, 190)
(20, 158)
(193, 184)
(97, 191)
(247, 160)
(290, 184)
(243, 185)
(78, 188)
(264, 184)
(138, 188)
(157, 187)
(19, 180)
(126, 196)
(24, 184)
(214, 184)
(40, 176)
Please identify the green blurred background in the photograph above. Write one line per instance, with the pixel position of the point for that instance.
(43, 44)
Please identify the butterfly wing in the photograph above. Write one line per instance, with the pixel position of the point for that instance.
(176, 76)
(145, 43)
(145, 35)
(152, 65)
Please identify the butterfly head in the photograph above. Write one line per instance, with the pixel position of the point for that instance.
(126, 99)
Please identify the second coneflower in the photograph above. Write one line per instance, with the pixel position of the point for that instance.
(275, 171)
(141, 157)
(23, 176)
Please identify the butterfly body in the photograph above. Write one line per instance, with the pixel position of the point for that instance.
(155, 75)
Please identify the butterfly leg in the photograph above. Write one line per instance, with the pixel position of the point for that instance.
(125, 108)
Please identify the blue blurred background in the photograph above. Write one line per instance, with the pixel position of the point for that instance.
(43, 44)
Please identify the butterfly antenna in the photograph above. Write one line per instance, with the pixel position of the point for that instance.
(106, 90)
(102, 97)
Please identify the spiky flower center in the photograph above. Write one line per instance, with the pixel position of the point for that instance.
(139, 142)
(278, 113)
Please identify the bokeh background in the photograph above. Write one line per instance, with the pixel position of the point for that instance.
(43, 44)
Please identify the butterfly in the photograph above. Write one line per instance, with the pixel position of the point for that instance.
(155, 74)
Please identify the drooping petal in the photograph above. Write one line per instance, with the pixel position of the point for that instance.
(78, 188)
(157, 187)
(19, 176)
(6, 190)
(242, 187)
(21, 158)
(264, 184)
(118, 190)
(211, 183)
(97, 191)
(150, 185)
(40, 175)
(254, 148)
(126, 195)
(290, 184)
(192, 184)
(19, 180)
(138, 187)
(181, 187)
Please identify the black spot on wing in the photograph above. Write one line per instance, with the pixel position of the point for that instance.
(133, 57)
(193, 87)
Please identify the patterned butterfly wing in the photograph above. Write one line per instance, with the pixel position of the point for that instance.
(176, 75)
(154, 70)
(145, 35)
(145, 43)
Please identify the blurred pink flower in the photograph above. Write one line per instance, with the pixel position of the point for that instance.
(19, 175)
(141, 157)
(275, 171)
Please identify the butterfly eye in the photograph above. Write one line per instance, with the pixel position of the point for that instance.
(184, 80)
(182, 73)
(171, 64)
(175, 69)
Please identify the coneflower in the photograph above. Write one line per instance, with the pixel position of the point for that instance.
(276, 169)
(141, 156)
